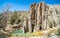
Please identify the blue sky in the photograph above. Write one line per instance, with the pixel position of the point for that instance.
(23, 5)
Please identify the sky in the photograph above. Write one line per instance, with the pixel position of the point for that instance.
(23, 5)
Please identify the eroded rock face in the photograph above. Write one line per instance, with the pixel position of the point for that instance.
(37, 15)
(33, 16)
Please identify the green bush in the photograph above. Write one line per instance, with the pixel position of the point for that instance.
(59, 30)
(13, 17)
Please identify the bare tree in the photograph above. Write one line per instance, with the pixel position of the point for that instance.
(8, 6)
(5, 18)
